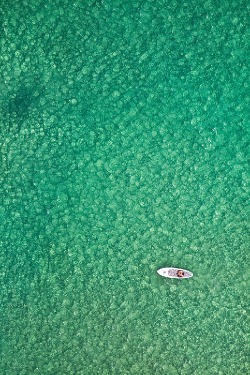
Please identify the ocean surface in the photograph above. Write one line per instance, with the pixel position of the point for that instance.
(124, 135)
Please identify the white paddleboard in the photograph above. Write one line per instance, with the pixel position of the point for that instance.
(175, 273)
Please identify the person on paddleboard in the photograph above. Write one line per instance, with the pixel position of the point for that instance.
(180, 273)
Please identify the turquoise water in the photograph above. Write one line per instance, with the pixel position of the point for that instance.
(124, 148)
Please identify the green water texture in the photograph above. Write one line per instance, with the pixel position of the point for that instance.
(124, 134)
